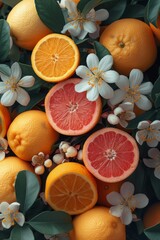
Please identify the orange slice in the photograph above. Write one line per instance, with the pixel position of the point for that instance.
(5, 120)
(71, 188)
(55, 57)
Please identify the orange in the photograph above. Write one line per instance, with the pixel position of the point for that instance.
(70, 112)
(25, 25)
(152, 215)
(5, 120)
(131, 43)
(105, 188)
(10, 167)
(55, 57)
(110, 154)
(71, 188)
(31, 133)
(156, 30)
(97, 224)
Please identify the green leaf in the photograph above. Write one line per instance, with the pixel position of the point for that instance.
(21, 233)
(134, 11)
(52, 222)
(14, 54)
(157, 101)
(85, 6)
(116, 11)
(11, 3)
(155, 183)
(153, 233)
(27, 188)
(51, 14)
(101, 51)
(4, 40)
(155, 89)
(152, 11)
(4, 234)
(5, 69)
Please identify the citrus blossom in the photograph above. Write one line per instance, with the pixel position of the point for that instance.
(153, 161)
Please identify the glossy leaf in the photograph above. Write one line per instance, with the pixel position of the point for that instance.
(5, 69)
(27, 188)
(134, 11)
(155, 184)
(52, 222)
(116, 11)
(4, 40)
(11, 3)
(21, 233)
(51, 14)
(4, 234)
(153, 233)
(101, 51)
(152, 11)
(155, 89)
(85, 6)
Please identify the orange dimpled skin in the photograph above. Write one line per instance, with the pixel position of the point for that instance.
(5, 120)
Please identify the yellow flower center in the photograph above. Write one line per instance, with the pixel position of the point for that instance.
(133, 94)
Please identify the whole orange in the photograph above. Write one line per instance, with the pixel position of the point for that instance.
(152, 215)
(131, 43)
(25, 25)
(97, 224)
(10, 167)
(30, 133)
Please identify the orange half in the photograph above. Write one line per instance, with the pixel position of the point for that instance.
(55, 57)
(71, 188)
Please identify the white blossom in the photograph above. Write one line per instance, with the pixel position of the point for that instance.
(153, 161)
(96, 78)
(131, 90)
(12, 87)
(124, 203)
(3, 148)
(122, 114)
(40, 161)
(149, 133)
(10, 214)
(79, 25)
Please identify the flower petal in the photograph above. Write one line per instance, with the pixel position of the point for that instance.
(2, 155)
(92, 62)
(111, 76)
(89, 26)
(144, 103)
(141, 136)
(127, 190)
(4, 207)
(152, 142)
(9, 98)
(129, 116)
(141, 200)
(106, 63)
(19, 218)
(72, 8)
(23, 97)
(73, 27)
(114, 198)
(101, 15)
(123, 123)
(116, 210)
(143, 125)
(113, 119)
(27, 81)
(146, 88)
(93, 94)
(14, 206)
(3, 87)
(157, 172)
(82, 86)
(155, 124)
(83, 72)
(7, 223)
(105, 90)
(16, 71)
(82, 34)
(135, 77)
(154, 153)
(123, 83)
(127, 106)
(119, 96)
(151, 163)
(4, 77)
(126, 216)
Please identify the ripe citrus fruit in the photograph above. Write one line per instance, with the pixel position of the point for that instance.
(31, 133)
(105, 188)
(5, 120)
(110, 154)
(97, 224)
(69, 112)
(156, 30)
(151, 216)
(131, 43)
(25, 25)
(10, 167)
(71, 188)
(55, 57)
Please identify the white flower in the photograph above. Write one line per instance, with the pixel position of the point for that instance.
(62, 3)
(3, 148)
(124, 203)
(149, 133)
(10, 214)
(40, 161)
(96, 77)
(79, 25)
(11, 87)
(131, 90)
(122, 114)
(153, 161)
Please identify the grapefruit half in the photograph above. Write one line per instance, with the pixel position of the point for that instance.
(70, 113)
(110, 154)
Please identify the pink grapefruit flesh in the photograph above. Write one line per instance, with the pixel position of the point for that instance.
(69, 112)
(110, 154)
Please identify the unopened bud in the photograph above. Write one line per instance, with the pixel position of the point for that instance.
(118, 111)
(113, 119)
(64, 146)
(71, 152)
(48, 163)
(79, 155)
(58, 158)
(39, 170)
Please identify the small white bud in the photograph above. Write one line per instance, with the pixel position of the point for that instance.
(39, 170)
(79, 155)
(113, 119)
(64, 146)
(58, 158)
(118, 110)
(71, 152)
(48, 163)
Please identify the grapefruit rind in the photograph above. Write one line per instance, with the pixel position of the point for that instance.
(100, 165)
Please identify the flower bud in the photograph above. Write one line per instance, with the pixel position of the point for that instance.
(58, 158)
(118, 110)
(113, 119)
(64, 146)
(79, 155)
(71, 152)
(39, 170)
(48, 163)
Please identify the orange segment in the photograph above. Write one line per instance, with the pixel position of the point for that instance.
(55, 57)
(5, 120)
(71, 188)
